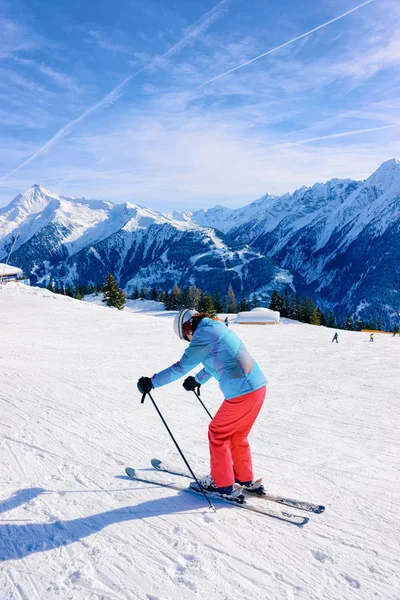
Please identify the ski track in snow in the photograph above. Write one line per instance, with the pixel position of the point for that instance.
(73, 527)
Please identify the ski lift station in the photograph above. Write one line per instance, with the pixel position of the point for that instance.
(10, 273)
(258, 316)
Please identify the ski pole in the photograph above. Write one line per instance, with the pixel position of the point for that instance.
(178, 448)
(202, 403)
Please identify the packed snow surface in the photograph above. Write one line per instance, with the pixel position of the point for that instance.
(72, 526)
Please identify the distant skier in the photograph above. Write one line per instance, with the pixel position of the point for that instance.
(335, 338)
(226, 321)
(242, 383)
(371, 337)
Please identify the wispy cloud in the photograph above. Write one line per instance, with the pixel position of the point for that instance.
(59, 78)
(108, 44)
(15, 38)
(295, 39)
(336, 135)
(191, 34)
(106, 101)
(314, 114)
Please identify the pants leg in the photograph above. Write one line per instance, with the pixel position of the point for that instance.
(241, 455)
(227, 434)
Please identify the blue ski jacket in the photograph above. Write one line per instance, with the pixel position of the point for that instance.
(223, 356)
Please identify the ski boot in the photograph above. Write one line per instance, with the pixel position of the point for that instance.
(253, 487)
(229, 492)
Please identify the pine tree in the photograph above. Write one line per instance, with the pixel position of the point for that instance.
(185, 300)
(295, 308)
(175, 298)
(154, 294)
(79, 291)
(167, 301)
(194, 297)
(307, 307)
(217, 302)
(144, 292)
(286, 304)
(322, 317)
(331, 319)
(348, 323)
(232, 306)
(315, 317)
(276, 302)
(254, 302)
(69, 290)
(113, 296)
(206, 304)
(356, 323)
(244, 303)
(135, 295)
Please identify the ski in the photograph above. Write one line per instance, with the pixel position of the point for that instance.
(300, 504)
(297, 520)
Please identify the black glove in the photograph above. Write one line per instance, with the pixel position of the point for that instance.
(191, 385)
(145, 385)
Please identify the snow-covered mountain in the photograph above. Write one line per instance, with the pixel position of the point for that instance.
(337, 241)
(340, 239)
(73, 240)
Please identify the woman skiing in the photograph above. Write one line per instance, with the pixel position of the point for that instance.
(243, 384)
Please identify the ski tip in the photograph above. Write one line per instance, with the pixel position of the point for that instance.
(130, 472)
(319, 509)
(156, 463)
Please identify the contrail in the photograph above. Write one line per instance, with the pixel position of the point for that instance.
(336, 135)
(299, 37)
(192, 33)
(108, 99)
(195, 30)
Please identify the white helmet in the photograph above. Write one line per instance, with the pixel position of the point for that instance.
(181, 318)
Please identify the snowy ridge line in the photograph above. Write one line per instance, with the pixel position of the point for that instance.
(291, 519)
(299, 504)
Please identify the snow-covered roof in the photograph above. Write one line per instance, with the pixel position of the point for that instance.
(258, 315)
(9, 270)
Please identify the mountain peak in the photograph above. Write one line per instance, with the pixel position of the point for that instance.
(33, 201)
(387, 175)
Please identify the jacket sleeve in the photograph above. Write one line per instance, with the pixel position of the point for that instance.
(195, 353)
(202, 376)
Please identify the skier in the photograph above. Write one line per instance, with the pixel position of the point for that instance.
(226, 321)
(335, 338)
(243, 384)
(371, 337)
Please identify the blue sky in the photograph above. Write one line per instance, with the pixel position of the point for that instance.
(131, 100)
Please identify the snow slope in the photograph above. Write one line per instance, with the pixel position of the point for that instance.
(71, 525)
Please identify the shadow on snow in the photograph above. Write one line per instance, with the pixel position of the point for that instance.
(20, 497)
(19, 541)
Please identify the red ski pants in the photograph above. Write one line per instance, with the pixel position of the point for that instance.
(230, 455)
